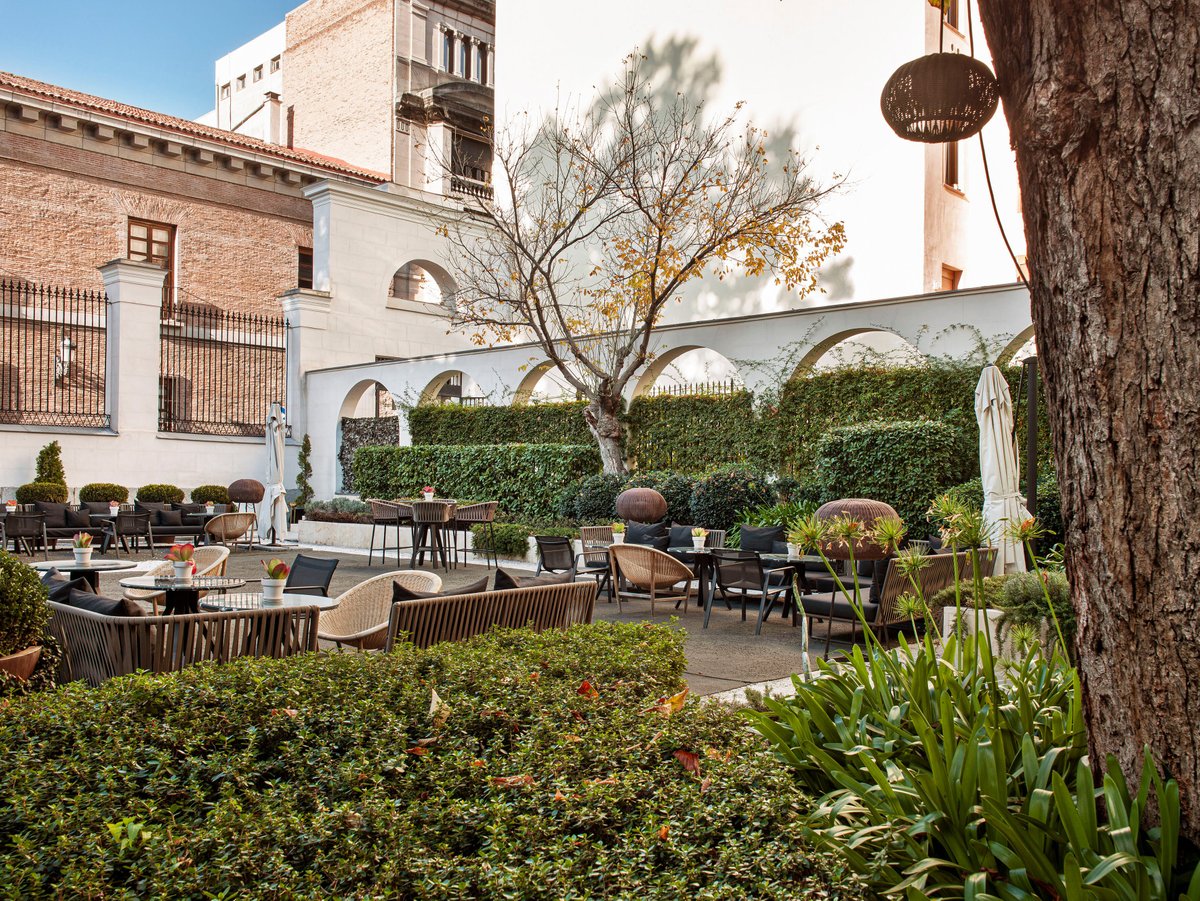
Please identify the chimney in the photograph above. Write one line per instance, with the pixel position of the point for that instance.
(274, 107)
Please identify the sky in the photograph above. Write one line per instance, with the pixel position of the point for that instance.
(157, 55)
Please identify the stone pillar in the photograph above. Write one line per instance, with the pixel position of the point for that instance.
(306, 313)
(135, 295)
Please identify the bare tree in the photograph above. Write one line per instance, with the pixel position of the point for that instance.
(605, 216)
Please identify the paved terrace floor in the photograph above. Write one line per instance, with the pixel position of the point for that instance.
(725, 656)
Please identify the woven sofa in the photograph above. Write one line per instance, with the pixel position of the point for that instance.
(458, 617)
(98, 647)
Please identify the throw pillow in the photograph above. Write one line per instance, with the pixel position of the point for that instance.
(79, 519)
(60, 591)
(652, 534)
(402, 593)
(680, 536)
(168, 518)
(879, 569)
(506, 579)
(86, 600)
(761, 538)
(52, 575)
(56, 514)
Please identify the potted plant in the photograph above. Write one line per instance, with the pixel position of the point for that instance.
(182, 563)
(81, 547)
(795, 540)
(427, 491)
(699, 536)
(618, 530)
(23, 617)
(11, 505)
(274, 580)
(113, 508)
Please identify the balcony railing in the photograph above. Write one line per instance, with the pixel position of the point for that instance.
(470, 187)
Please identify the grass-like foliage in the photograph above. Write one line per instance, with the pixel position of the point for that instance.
(517, 765)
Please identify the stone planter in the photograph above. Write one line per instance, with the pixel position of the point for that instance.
(22, 663)
(989, 618)
(83, 555)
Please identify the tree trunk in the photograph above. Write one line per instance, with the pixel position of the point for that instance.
(604, 419)
(1103, 102)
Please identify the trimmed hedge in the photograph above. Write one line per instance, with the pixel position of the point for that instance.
(160, 494)
(526, 479)
(553, 423)
(905, 464)
(96, 492)
(46, 492)
(365, 432)
(203, 494)
(690, 433)
(720, 497)
(542, 774)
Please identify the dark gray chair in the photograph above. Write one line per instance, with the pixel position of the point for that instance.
(743, 572)
(310, 575)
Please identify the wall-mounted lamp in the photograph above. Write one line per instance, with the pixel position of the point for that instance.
(62, 359)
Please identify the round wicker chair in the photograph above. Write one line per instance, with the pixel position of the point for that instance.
(210, 561)
(361, 617)
(650, 570)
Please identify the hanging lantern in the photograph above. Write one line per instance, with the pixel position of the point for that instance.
(940, 98)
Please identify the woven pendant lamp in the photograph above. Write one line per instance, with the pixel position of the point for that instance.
(940, 98)
(866, 511)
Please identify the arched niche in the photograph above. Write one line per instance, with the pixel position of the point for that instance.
(543, 382)
(862, 344)
(367, 399)
(450, 386)
(691, 364)
(422, 281)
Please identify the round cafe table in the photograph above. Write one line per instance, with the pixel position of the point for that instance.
(89, 571)
(181, 597)
(252, 600)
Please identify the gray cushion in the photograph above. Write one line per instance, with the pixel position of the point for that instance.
(506, 579)
(652, 534)
(86, 600)
(78, 519)
(402, 593)
(761, 539)
(681, 536)
(56, 514)
(168, 518)
(818, 605)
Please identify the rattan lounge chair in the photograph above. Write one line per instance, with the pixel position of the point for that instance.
(361, 616)
(231, 527)
(650, 570)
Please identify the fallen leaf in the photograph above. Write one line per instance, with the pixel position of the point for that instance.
(609, 781)
(439, 710)
(559, 796)
(587, 690)
(511, 781)
(714, 754)
(664, 832)
(478, 763)
(704, 784)
(668, 705)
(690, 761)
(572, 738)
(417, 750)
(533, 677)
(286, 711)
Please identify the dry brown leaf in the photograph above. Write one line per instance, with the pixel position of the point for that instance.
(512, 781)
(664, 832)
(587, 690)
(689, 760)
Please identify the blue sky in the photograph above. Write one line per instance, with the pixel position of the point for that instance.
(157, 55)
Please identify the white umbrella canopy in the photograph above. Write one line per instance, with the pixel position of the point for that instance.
(272, 513)
(1002, 501)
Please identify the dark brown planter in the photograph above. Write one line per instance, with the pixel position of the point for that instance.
(865, 511)
(641, 505)
(23, 663)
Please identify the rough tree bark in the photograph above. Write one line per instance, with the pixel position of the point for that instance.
(1103, 102)
(603, 418)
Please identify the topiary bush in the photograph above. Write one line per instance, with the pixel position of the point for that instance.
(537, 770)
(50, 465)
(216, 494)
(720, 497)
(304, 474)
(98, 492)
(675, 487)
(526, 479)
(47, 492)
(596, 500)
(905, 464)
(24, 614)
(160, 494)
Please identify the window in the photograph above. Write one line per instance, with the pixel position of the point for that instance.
(241, 82)
(950, 176)
(258, 73)
(304, 267)
(276, 63)
(464, 58)
(448, 51)
(952, 13)
(950, 277)
(225, 91)
(483, 64)
(154, 242)
(174, 396)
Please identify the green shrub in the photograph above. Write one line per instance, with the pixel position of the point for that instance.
(50, 465)
(552, 423)
(23, 617)
(1023, 599)
(720, 496)
(216, 494)
(98, 492)
(784, 514)
(692, 432)
(160, 494)
(993, 591)
(905, 464)
(675, 487)
(304, 474)
(339, 509)
(47, 492)
(596, 499)
(1049, 514)
(507, 539)
(337, 776)
(525, 479)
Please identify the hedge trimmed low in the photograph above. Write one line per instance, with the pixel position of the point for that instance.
(542, 772)
(216, 494)
(526, 479)
(160, 494)
(98, 492)
(46, 492)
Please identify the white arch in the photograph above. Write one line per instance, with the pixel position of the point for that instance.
(651, 374)
(530, 382)
(1016, 344)
(445, 282)
(814, 354)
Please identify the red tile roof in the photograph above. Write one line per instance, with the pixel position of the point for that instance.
(39, 89)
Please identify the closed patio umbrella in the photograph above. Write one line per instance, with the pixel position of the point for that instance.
(1002, 502)
(272, 513)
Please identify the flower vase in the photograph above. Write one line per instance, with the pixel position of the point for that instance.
(272, 592)
(182, 570)
(83, 555)
(698, 543)
(618, 538)
(428, 495)
(113, 509)
(209, 509)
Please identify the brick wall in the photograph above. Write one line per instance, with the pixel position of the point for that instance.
(339, 66)
(58, 226)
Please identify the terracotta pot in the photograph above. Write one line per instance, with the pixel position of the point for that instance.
(641, 505)
(23, 663)
(865, 511)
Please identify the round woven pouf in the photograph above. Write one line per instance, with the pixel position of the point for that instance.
(246, 491)
(865, 511)
(641, 505)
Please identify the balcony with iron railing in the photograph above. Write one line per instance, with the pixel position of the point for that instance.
(465, 186)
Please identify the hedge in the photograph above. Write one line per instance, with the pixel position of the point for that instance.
(46, 492)
(690, 433)
(526, 479)
(553, 423)
(905, 464)
(95, 492)
(539, 772)
(160, 494)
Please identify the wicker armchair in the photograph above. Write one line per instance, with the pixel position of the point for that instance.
(470, 515)
(384, 515)
(231, 527)
(210, 561)
(361, 617)
(650, 570)
(595, 541)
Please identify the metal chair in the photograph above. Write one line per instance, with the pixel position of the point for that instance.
(126, 526)
(470, 515)
(429, 524)
(743, 572)
(385, 514)
(596, 541)
(555, 555)
(651, 570)
(310, 575)
(26, 530)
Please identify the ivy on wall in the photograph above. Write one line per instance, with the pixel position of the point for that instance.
(554, 423)
(364, 432)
